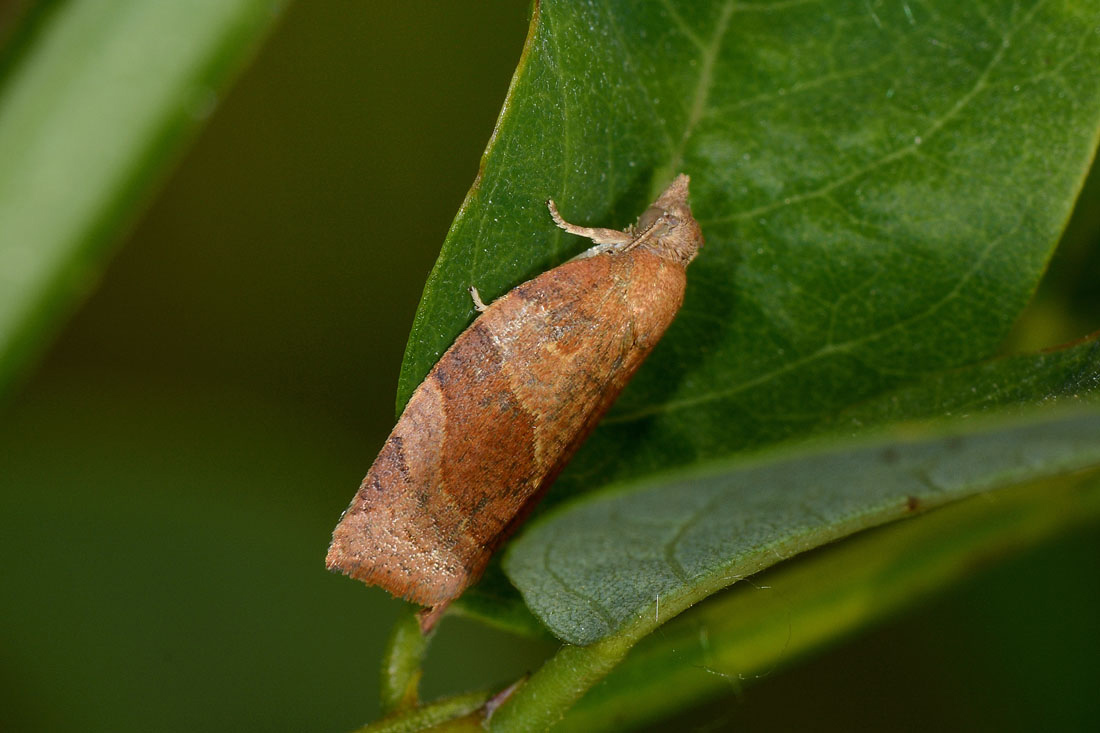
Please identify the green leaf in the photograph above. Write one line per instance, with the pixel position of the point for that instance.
(585, 574)
(606, 558)
(94, 99)
(626, 561)
(601, 563)
(880, 186)
(742, 634)
(1065, 374)
(880, 189)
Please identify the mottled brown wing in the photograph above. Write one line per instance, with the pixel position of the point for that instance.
(497, 418)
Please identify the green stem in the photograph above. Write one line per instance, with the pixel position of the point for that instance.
(544, 699)
(438, 713)
(401, 662)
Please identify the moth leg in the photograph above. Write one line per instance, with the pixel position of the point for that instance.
(428, 617)
(479, 306)
(596, 234)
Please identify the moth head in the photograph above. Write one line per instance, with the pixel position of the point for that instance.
(668, 228)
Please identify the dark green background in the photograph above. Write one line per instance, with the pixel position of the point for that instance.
(172, 471)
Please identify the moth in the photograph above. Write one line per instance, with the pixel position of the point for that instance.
(508, 404)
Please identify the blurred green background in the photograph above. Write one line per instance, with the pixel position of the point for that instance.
(173, 468)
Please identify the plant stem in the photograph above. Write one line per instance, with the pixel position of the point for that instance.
(401, 662)
(437, 713)
(544, 699)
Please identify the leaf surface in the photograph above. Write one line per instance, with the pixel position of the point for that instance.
(684, 536)
(591, 565)
(880, 186)
(589, 570)
(796, 608)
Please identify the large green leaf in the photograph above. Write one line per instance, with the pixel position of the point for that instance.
(1018, 382)
(93, 99)
(610, 568)
(603, 562)
(585, 587)
(1058, 375)
(1032, 419)
(880, 186)
(745, 634)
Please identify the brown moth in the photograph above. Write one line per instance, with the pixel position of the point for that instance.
(506, 407)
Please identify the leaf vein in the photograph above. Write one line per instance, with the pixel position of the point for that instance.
(937, 124)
